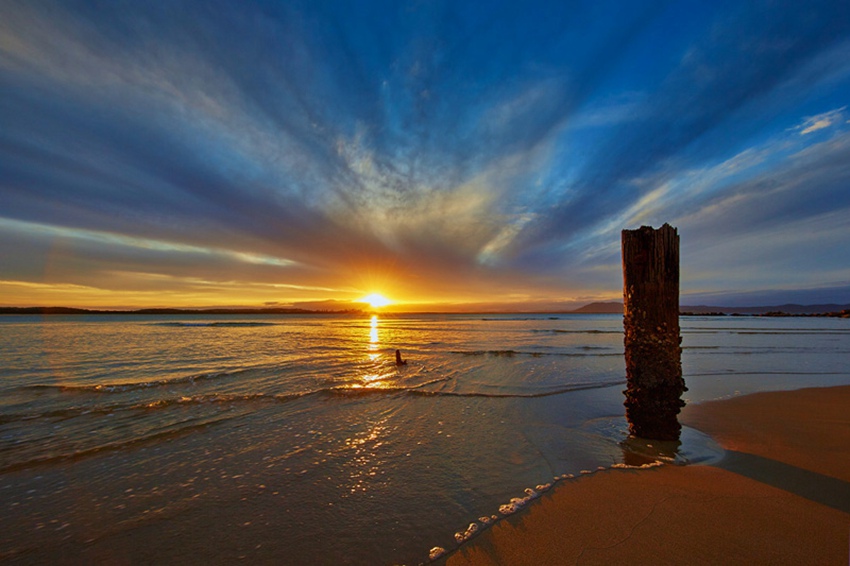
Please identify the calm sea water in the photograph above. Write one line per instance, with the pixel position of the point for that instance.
(296, 439)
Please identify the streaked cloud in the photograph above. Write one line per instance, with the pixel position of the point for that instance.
(304, 151)
(821, 121)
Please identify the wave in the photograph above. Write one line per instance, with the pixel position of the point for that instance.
(349, 390)
(520, 319)
(113, 408)
(200, 399)
(198, 421)
(505, 353)
(110, 446)
(564, 331)
(756, 331)
(736, 373)
(530, 395)
(226, 398)
(420, 391)
(773, 350)
(213, 324)
(796, 332)
(512, 353)
(359, 389)
(135, 386)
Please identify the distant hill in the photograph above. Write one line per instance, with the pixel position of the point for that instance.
(617, 308)
(601, 308)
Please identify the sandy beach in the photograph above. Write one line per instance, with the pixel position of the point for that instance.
(781, 495)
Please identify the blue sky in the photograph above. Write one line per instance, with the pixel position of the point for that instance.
(454, 153)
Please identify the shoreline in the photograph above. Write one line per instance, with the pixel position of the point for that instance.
(781, 494)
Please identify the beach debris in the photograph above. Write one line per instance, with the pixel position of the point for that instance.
(436, 552)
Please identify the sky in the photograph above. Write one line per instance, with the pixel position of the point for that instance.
(448, 154)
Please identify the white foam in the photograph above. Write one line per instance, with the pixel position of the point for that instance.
(531, 493)
(508, 509)
(464, 536)
(517, 503)
(640, 467)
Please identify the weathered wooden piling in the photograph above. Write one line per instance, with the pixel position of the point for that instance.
(652, 339)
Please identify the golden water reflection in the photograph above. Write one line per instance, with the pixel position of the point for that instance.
(375, 370)
(373, 333)
(373, 376)
(365, 464)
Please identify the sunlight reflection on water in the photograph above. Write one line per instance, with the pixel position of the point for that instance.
(263, 434)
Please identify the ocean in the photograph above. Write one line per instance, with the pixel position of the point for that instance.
(298, 440)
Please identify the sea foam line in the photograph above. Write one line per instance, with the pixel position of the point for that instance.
(516, 504)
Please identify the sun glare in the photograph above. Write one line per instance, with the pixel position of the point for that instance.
(376, 300)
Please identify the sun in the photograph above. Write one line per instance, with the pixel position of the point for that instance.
(376, 300)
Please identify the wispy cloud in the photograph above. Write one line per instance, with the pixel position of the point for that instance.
(448, 152)
(821, 121)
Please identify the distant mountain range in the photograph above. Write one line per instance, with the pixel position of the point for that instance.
(617, 307)
(600, 308)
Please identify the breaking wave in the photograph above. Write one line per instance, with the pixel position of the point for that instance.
(135, 386)
(529, 395)
(587, 352)
(112, 446)
(213, 324)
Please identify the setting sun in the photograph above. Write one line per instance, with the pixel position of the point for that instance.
(376, 300)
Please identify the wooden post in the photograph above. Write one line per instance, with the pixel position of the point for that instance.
(652, 340)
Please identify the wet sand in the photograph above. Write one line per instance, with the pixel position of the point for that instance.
(781, 495)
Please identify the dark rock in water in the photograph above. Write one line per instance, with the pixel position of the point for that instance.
(398, 360)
